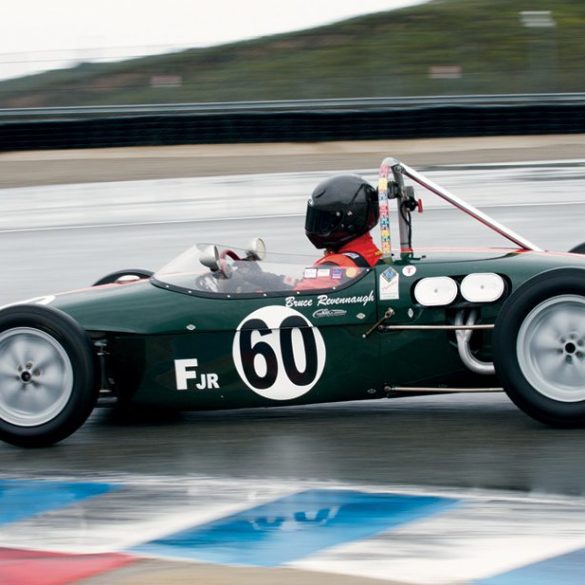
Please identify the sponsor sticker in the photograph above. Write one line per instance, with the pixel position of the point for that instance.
(337, 273)
(389, 285)
(409, 270)
(320, 313)
(310, 273)
(323, 272)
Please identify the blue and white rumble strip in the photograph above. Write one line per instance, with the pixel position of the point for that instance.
(295, 527)
(398, 534)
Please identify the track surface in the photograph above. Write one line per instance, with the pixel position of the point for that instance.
(480, 441)
(440, 441)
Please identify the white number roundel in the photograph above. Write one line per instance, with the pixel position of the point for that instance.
(278, 353)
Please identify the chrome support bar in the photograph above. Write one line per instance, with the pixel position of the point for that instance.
(436, 327)
(389, 389)
(469, 209)
(378, 324)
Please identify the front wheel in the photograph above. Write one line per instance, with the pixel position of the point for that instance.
(47, 384)
(539, 347)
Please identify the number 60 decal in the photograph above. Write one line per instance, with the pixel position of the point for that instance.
(278, 353)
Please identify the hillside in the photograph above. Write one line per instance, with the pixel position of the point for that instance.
(443, 47)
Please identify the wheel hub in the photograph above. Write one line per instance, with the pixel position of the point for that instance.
(26, 377)
(36, 377)
(550, 348)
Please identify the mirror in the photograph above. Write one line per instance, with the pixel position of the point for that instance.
(256, 249)
(210, 258)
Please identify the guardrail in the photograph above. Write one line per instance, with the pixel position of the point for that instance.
(290, 121)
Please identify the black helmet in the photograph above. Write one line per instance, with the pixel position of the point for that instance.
(339, 210)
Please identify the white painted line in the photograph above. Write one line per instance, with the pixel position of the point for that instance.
(530, 163)
(147, 223)
(228, 219)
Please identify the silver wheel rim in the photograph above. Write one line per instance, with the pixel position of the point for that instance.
(36, 377)
(551, 348)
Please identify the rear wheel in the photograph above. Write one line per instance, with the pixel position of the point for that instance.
(539, 347)
(47, 385)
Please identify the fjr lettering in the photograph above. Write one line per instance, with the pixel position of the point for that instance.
(186, 370)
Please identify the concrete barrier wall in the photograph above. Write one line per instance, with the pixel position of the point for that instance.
(290, 122)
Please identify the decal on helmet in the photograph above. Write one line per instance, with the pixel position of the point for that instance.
(278, 353)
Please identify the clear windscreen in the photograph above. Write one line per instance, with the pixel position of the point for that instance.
(236, 271)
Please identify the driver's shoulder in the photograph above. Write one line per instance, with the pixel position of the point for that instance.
(343, 259)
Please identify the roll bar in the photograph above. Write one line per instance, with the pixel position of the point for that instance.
(391, 186)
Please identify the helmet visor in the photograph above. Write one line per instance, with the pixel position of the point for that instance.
(321, 221)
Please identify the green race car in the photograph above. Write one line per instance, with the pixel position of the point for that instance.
(220, 327)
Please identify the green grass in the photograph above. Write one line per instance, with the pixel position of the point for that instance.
(385, 54)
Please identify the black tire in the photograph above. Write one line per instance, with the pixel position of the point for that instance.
(44, 331)
(580, 249)
(522, 332)
(114, 276)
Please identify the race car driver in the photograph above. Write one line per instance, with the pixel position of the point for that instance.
(340, 214)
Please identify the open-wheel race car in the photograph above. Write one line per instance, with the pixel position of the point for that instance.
(221, 328)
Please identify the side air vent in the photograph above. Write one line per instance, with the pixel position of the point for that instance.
(436, 291)
(482, 287)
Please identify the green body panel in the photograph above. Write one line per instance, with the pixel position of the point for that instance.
(146, 309)
(430, 358)
(148, 328)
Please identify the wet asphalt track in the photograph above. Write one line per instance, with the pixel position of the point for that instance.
(477, 441)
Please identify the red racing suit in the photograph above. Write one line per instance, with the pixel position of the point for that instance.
(349, 254)
(358, 253)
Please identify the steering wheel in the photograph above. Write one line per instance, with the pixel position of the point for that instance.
(230, 253)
